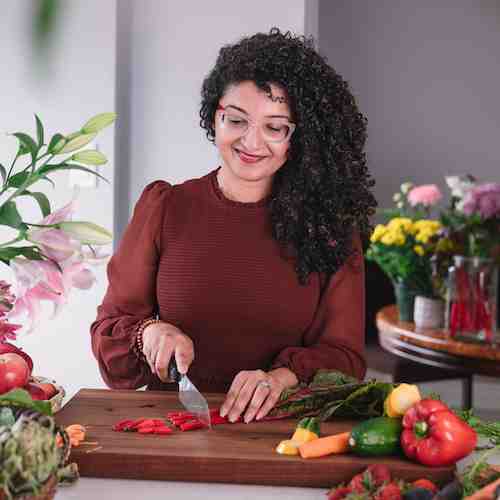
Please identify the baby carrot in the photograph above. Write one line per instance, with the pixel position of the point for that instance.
(337, 443)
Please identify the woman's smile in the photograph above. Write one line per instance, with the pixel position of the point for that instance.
(247, 157)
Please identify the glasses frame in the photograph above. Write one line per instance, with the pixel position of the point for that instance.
(292, 126)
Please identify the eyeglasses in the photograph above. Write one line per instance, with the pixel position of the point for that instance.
(275, 130)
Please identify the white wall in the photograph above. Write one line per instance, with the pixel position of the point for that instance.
(77, 82)
(173, 47)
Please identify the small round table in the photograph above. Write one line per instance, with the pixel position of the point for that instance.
(436, 348)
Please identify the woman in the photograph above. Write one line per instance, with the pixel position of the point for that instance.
(252, 276)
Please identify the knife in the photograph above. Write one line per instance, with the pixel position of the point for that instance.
(189, 395)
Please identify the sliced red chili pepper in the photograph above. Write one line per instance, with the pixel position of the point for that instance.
(191, 426)
(163, 430)
(122, 424)
(143, 422)
(158, 421)
(146, 430)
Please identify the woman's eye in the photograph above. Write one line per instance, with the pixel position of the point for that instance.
(236, 121)
(276, 127)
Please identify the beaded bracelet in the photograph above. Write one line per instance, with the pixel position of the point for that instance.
(138, 342)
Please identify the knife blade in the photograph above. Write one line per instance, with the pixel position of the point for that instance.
(190, 397)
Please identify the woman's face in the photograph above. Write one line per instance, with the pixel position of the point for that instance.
(247, 143)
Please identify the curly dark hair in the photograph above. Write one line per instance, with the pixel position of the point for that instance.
(321, 196)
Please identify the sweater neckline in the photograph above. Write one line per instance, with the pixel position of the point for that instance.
(243, 205)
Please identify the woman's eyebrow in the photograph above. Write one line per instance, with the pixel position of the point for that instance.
(267, 116)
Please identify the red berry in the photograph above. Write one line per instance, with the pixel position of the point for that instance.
(339, 493)
(380, 474)
(390, 491)
(425, 483)
(357, 484)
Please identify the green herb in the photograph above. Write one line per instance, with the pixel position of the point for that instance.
(489, 430)
(474, 477)
(332, 393)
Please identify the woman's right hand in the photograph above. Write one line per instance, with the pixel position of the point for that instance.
(160, 342)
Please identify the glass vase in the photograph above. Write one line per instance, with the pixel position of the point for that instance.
(471, 302)
(405, 300)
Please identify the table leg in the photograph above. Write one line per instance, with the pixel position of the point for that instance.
(467, 392)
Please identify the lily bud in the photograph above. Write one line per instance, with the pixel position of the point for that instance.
(90, 157)
(98, 122)
(76, 143)
(87, 233)
(58, 146)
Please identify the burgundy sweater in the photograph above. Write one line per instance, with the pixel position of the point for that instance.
(210, 266)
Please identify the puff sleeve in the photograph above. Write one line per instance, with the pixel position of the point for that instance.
(131, 294)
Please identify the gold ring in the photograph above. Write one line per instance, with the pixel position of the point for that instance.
(265, 383)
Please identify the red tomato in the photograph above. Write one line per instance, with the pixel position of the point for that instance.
(14, 372)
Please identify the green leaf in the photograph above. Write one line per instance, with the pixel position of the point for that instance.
(46, 169)
(19, 179)
(9, 216)
(27, 145)
(9, 253)
(43, 201)
(45, 178)
(39, 131)
(56, 143)
(22, 399)
(3, 173)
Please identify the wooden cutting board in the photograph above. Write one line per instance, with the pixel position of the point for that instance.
(229, 453)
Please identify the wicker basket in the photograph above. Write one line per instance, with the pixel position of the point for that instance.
(55, 401)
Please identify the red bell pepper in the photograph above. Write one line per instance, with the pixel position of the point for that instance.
(433, 435)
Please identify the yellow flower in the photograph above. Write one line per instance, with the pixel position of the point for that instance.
(403, 223)
(388, 238)
(419, 250)
(378, 232)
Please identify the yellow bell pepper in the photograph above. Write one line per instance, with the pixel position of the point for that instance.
(307, 430)
(288, 447)
(401, 399)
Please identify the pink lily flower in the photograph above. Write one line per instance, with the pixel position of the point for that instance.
(54, 243)
(37, 280)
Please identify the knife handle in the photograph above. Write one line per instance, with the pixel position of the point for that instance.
(173, 373)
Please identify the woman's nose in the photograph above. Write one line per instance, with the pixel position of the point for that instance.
(253, 139)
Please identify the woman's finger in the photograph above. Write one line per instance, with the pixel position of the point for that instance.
(232, 394)
(272, 399)
(243, 399)
(165, 352)
(184, 355)
(261, 393)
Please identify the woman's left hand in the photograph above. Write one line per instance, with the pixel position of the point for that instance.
(254, 393)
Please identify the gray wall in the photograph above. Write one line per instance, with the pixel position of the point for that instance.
(427, 78)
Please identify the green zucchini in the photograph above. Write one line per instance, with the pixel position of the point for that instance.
(376, 437)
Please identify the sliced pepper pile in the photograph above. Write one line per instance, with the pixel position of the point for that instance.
(183, 420)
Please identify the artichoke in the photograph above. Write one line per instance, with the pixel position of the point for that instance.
(29, 452)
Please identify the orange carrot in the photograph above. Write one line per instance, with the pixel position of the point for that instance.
(337, 443)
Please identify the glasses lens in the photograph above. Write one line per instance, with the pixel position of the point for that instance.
(272, 131)
(276, 131)
(234, 123)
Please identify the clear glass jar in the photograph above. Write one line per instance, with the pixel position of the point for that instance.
(471, 301)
